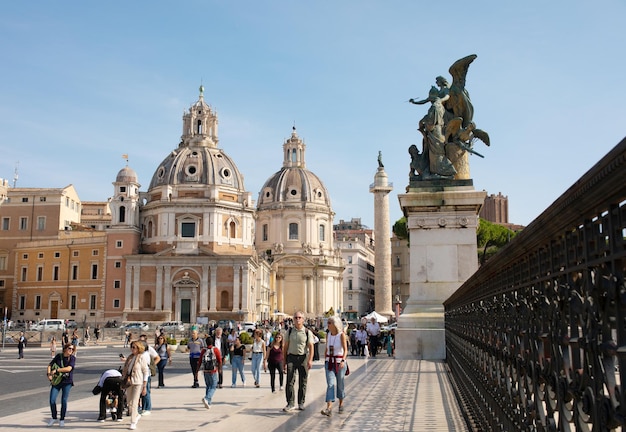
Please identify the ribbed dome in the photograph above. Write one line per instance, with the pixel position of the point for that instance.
(197, 160)
(197, 165)
(293, 184)
(127, 175)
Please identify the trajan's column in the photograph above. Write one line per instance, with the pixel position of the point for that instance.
(382, 231)
(441, 207)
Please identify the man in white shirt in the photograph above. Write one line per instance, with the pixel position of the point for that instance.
(373, 330)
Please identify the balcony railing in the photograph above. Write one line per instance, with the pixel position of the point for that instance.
(536, 338)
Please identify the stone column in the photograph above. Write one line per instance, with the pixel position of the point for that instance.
(442, 223)
(382, 252)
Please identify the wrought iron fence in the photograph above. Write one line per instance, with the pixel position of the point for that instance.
(536, 338)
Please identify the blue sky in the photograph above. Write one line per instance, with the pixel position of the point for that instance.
(84, 82)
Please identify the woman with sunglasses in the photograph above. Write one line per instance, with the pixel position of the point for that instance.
(65, 363)
(163, 350)
(275, 361)
(135, 374)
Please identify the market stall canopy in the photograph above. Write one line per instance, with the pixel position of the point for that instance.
(379, 317)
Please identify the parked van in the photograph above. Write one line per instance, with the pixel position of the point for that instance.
(49, 324)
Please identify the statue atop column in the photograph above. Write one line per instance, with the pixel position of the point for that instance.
(448, 129)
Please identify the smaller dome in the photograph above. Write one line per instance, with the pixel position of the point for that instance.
(126, 175)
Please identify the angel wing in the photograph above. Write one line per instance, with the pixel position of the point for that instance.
(482, 135)
(459, 102)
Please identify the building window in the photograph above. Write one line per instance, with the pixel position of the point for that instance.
(22, 302)
(122, 214)
(41, 223)
(37, 302)
(349, 296)
(74, 271)
(117, 284)
(94, 271)
(25, 199)
(397, 260)
(57, 254)
(75, 253)
(1, 283)
(350, 284)
(42, 199)
(23, 223)
(118, 264)
(73, 301)
(39, 273)
(67, 202)
(92, 301)
(25, 256)
(265, 232)
(350, 259)
(350, 270)
(116, 303)
(122, 189)
(3, 262)
(188, 229)
(119, 244)
(94, 252)
(55, 273)
(5, 223)
(40, 255)
(293, 231)
(322, 233)
(24, 273)
(232, 231)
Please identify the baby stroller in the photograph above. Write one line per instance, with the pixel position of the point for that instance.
(112, 396)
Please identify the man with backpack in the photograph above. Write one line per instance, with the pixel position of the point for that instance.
(298, 352)
(209, 362)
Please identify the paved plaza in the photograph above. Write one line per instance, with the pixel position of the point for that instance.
(382, 394)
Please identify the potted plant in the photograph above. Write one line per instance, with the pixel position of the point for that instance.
(172, 344)
(183, 345)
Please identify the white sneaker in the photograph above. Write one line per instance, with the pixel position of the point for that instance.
(132, 426)
(62, 423)
(51, 422)
(146, 413)
(281, 388)
(206, 403)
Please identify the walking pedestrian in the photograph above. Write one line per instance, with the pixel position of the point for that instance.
(238, 355)
(209, 362)
(127, 335)
(21, 343)
(221, 343)
(275, 361)
(335, 365)
(195, 346)
(361, 337)
(96, 333)
(64, 364)
(373, 330)
(153, 359)
(298, 353)
(53, 346)
(258, 357)
(135, 373)
(163, 349)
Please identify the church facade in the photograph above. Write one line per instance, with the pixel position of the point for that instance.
(192, 246)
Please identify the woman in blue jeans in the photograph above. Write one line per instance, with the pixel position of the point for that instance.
(258, 356)
(163, 350)
(65, 363)
(238, 354)
(335, 365)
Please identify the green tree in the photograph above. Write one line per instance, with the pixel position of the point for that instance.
(490, 238)
(400, 229)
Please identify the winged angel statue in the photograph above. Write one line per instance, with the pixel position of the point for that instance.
(448, 130)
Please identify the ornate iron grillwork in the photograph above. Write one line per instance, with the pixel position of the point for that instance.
(536, 338)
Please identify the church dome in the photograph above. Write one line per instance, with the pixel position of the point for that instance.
(293, 185)
(126, 175)
(198, 160)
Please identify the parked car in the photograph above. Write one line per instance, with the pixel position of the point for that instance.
(226, 324)
(71, 324)
(137, 326)
(50, 324)
(248, 326)
(173, 326)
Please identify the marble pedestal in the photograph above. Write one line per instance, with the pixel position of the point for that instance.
(442, 220)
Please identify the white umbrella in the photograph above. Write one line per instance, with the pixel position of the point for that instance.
(379, 317)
